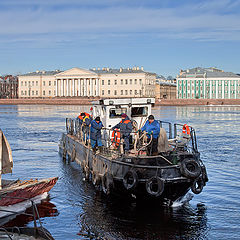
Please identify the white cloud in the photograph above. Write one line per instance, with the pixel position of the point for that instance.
(182, 22)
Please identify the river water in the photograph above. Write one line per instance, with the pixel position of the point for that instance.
(76, 211)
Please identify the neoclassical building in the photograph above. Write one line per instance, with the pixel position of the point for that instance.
(77, 82)
(207, 83)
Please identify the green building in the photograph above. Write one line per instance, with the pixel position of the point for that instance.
(207, 83)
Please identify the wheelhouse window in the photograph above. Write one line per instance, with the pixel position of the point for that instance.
(139, 111)
(116, 112)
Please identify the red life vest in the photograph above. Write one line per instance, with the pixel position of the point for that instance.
(186, 129)
(116, 137)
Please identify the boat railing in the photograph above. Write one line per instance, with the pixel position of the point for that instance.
(177, 135)
(112, 146)
(34, 214)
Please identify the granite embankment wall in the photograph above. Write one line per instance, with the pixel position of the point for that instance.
(87, 101)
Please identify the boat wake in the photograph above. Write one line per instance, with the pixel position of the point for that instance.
(181, 201)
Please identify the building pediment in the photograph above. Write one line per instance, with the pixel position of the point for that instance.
(77, 72)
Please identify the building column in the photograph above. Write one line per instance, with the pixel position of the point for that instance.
(223, 88)
(67, 87)
(210, 83)
(76, 87)
(235, 89)
(216, 89)
(79, 91)
(56, 89)
(229, 89)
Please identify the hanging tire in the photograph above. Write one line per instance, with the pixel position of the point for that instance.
(204, 174)
(197, 186)
(130, 180)
(190, 168)
(107, 183)
(155, 186)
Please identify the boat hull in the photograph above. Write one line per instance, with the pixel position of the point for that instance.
(112, 171)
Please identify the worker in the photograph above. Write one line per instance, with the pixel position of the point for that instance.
(86, 122)
(125, 127)
(152, 128)
(95, 134)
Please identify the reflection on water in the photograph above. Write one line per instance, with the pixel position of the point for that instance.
(83, 213)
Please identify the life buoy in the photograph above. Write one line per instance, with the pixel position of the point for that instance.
(197, 186)
(116, 138)
(190, 168)
(130, 180)
(155, 186)
(186, 129)
(107, 183)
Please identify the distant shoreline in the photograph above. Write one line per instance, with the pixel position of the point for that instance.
(87, 101)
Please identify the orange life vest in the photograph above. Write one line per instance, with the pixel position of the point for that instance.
(116, 137)
(125, 121)
(186, 129)
(86, 115)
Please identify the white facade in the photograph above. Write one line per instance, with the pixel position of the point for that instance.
(77, 82)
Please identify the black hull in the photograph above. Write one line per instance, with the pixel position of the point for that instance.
(107, 173)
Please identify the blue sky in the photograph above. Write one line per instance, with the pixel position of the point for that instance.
(163, 36)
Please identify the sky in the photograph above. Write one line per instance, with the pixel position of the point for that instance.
(163, 36)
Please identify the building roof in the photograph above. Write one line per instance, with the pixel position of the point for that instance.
(206, 72)
(40, 73)
(119, 71)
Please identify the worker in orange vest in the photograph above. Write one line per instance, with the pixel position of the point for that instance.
(125, 127)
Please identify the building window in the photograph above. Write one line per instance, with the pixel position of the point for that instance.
(25, 83)
(32, 92)
(36, 83)
(32, 83)
(130, 81)
(49, 92)
(136, 92)
(135, 81)
(121, 92)
(126, 81)
(102, 82)
(109, 82)
(130, 92)
(108, 92)
(115, 82)
(44, 92)
(140, 92)
(49, 83)
(26, 93)
(121, 81)
(54, 92)
(21, 92)
(140, 81)
(36, 92)
(115, 92)
(126, 92)
(43, 83)
(102, 92)
(54, 83)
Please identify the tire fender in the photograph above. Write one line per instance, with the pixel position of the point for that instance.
(155, 186)
(190, 168)
(130, 180)
(197, 186)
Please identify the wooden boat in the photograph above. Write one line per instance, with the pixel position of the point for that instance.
(165, 177)
(16, 196)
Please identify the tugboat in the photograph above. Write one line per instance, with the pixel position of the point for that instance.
(165, 177)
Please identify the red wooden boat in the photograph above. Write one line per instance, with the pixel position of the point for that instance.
(17, 196)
